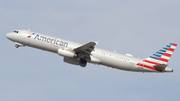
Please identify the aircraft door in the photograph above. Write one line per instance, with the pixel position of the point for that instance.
(24, 34)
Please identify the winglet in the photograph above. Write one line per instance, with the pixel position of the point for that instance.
(97, 42)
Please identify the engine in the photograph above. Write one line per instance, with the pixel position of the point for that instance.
(67, 53)
(81, 62)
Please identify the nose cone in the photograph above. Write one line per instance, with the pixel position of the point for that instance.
(8, 35)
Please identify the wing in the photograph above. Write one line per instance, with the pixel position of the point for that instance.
(87, 48)
(84, 51)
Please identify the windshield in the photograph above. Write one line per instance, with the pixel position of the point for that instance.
(16, 31)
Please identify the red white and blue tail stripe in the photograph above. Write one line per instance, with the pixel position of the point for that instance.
(162, 56)
(158, 61)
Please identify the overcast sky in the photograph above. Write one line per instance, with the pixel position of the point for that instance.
(138, 27)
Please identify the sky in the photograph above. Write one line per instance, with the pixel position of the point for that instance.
(137, 27)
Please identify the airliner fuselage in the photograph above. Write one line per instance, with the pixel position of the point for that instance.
(79, 54)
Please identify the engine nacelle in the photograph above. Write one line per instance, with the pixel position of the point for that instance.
(71, 61)
(81, 62)
(67, 53)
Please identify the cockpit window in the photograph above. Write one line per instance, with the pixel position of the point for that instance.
(16, 31)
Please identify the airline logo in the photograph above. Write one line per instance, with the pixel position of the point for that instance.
(30, 35)
(54, 41)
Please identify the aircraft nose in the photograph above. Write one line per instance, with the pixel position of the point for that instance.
(8, 35)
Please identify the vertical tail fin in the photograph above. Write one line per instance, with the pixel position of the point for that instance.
(162, 56)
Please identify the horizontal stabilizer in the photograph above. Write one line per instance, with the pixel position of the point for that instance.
(161, 66)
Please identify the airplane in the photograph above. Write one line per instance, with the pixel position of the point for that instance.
(81, 54)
